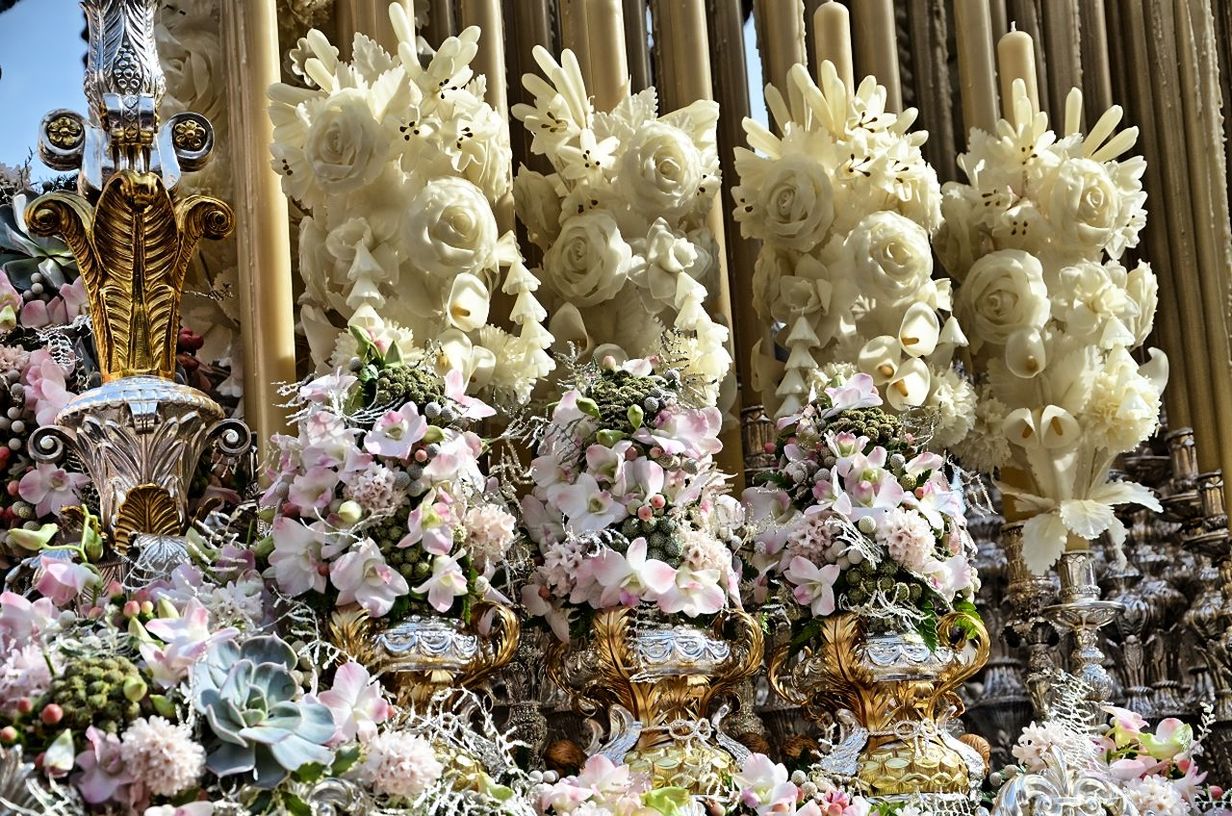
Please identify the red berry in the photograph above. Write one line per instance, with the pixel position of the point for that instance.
(52, 714)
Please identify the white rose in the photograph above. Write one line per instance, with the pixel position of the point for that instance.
(450, 228)
(1096, 302)
(1004, 293)
(660, 172)
(1083, 204)
(787, 202)
(538, 206)
(892, 256)
(346, 146)
(590, 261)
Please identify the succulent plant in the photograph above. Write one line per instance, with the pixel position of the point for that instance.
(253, 704)
(23, 256)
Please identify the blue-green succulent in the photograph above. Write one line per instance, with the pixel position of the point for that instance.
(255, 709)
(24, 255)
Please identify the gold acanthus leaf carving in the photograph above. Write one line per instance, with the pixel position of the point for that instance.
(133, 248)
(147, 508)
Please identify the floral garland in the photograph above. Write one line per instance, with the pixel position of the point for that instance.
(400, 166)
(845, 206)
(855, 517)
(627, 506)
(1035, 240)
(380, 499)
(621, 220)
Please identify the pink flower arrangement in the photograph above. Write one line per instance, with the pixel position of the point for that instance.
(627, 499)
(856, 517)
(377, 498)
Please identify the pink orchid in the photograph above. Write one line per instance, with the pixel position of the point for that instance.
(1126, 725)
(455, 390)
(23, 620)
(62, 580)
(535, 600)
(695, 592)
(447, 582)
(313, 490)
(542, 524)
(72, 300)
(1172, 738)
(185, 640)
(321, 390)
(935, 501)
(46, 390)
(607, 779)
(586, 505)
(296, 562)
(949, 577)
(396, 432)
(50, 488)
(630, 578)
(357, 703)
(607, 463)
(363, 577)
(645, 478)
(814, 586)
(1127, 769)
(103, 776)
(431, 524)
(857, 392)
(764, 786)
(691, 432)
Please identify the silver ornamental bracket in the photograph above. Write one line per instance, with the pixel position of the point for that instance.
(124, 86)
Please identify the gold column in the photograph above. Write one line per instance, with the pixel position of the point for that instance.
(977, 72)
(369, 17)
(440, 25)
(682, 35)
(877, 48)
(1061, 41)
(780, 38)
(637, 48)
(1096, 71)
(267, 317)
(490, 61)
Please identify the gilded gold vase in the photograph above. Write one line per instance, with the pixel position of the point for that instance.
(422, 656)
(894, 695)
(659, 679)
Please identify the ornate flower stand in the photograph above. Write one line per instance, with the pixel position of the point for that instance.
(892, 697)
(420, 658)
(659, 680)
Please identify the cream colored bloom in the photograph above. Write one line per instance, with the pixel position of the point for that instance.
(538, 206)
(1004, 293)
(450, 228)
(788, 202)
(660, 171)
(1124, 405)
(1082, 204)
(346, 146)
(661, 257)
(590, 261)
(891, 256)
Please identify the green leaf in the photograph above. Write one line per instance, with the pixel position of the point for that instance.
(807, 634)
(668, 801)
(309, 772)
(344, 759)
(927, 627)
(296, 806)
(636, 416)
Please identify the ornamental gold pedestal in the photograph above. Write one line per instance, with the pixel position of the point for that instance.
(423, 658)
(892, 697)
(659, 680)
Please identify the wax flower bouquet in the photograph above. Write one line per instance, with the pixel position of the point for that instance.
(380, 500)
(627, 508)
(855, 517)
(628, 259)
(1035, 240)
(845, 207)
(400, 166)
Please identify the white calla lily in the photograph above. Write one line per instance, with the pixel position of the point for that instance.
(920, 330)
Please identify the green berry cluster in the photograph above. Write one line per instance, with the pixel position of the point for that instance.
(662, 534)
(91, 691)
(881, 428)
(400, 384)
(616, 391)
(864, 579)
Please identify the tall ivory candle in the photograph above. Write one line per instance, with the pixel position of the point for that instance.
(976, 68)
(1016, 60)
(606, 54)
(263, 227)
(877, 47)
(832, 41)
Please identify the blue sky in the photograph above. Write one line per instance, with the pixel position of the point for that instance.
(40, 60)
(41, 69)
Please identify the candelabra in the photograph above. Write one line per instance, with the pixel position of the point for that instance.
(1028, 595)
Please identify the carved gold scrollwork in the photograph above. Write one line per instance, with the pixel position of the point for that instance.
(133, 248)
